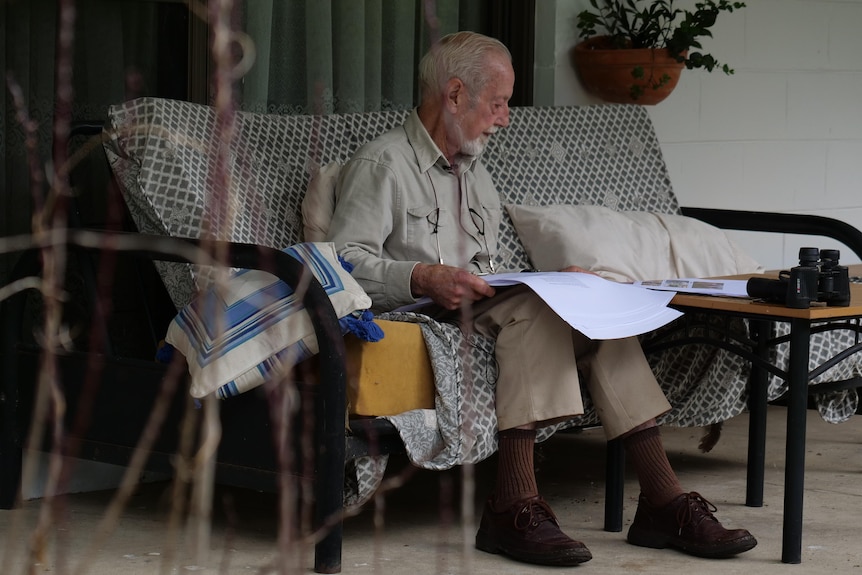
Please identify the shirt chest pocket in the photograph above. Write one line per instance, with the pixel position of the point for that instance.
(487, 224)
(423, 226)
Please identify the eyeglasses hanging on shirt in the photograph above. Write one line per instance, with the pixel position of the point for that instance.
(433, 219)
(480, 229)
(435, 224)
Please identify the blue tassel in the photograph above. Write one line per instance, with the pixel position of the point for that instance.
(346, 264)
(165, 353)
(362, 327)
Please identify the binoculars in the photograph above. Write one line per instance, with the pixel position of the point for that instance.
(818, 278)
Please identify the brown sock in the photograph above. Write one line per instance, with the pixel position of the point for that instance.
(516, 479)
(658, 482)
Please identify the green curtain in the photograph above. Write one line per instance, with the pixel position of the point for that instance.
(27, 57)
(340, 56)
(309, 56)
(114, 58)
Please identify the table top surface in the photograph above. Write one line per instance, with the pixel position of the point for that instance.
(750, 307)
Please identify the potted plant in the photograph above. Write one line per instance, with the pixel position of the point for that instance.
(635, 50)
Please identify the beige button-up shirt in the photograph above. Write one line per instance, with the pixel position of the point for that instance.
(399, 202)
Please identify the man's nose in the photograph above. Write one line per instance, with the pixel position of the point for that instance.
(503, 120)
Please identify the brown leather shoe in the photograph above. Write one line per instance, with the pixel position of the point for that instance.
(528, 531)
(688, 524)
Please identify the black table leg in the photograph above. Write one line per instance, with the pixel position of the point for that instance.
(761, 331)
(794, 471)
(615, 467)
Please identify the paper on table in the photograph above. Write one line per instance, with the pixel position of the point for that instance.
(727, 288)
(596, 307)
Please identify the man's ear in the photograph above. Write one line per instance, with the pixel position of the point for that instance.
(456, 94)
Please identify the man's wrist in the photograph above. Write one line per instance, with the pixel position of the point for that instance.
(417, 276)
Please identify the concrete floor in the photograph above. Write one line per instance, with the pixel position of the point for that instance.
(418, 531)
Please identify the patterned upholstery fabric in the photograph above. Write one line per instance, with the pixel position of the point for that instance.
(176, 181)
(166, 155)
(598, 155)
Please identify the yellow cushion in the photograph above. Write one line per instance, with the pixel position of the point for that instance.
(389, 376)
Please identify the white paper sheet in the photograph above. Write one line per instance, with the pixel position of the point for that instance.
(596, 307)
(726, 288)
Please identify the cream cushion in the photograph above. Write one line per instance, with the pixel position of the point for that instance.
(626, 246)
(318, 204)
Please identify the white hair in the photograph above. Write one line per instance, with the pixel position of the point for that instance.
(462, 55)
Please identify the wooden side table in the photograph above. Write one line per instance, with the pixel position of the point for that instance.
(797, 376)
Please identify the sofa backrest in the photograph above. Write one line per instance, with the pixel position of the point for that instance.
(167, 156)
(604, 155)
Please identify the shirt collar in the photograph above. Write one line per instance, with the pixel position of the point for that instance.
(427, 152)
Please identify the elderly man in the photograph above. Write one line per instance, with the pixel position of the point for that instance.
(417, 215)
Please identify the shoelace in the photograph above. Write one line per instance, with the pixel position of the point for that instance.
(535, 512)
(695, 506)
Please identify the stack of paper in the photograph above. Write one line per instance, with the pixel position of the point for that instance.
(596, 307)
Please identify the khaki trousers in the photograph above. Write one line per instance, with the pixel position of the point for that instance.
(539, 355)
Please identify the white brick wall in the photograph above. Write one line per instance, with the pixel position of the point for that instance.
(784, 133)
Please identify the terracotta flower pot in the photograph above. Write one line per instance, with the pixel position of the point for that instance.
(632, 76)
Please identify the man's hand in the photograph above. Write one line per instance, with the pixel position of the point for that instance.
(577, 269)
(448, 286)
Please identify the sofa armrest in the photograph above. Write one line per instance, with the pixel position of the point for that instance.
(780, 223)
(330, 404)
(237, 255)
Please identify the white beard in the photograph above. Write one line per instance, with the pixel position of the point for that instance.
(471, 148)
